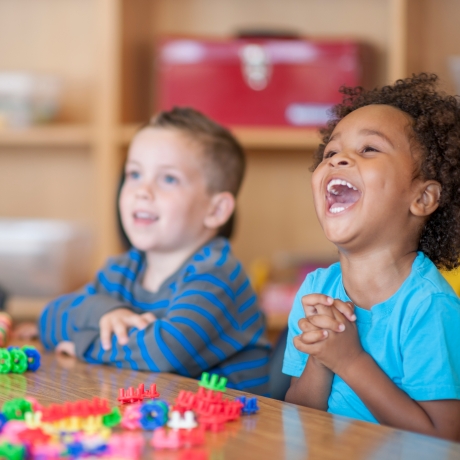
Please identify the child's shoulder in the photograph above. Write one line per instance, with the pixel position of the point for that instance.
(427, 295)
(131, 260)
(215, 259)
(427, 280)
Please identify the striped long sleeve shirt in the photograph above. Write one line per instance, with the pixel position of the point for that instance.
(207, 319)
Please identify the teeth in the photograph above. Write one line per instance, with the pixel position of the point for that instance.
(338, 182)
(143, 215)
(336, 210)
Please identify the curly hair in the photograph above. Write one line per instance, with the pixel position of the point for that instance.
(436, 129)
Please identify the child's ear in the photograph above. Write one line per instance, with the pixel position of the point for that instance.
(222, 207)
(428, 199)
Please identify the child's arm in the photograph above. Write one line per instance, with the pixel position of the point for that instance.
(342, 353)
(75, 317)
(201, 329)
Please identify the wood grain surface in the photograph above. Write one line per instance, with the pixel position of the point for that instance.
(279, 431)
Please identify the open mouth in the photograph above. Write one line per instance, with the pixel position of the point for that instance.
(144, 217)
(341, 195)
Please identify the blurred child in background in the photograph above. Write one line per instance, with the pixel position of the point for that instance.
(178, 301)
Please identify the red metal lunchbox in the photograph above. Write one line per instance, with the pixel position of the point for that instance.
(259, 81)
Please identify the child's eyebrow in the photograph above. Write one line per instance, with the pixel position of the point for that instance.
(373, 132)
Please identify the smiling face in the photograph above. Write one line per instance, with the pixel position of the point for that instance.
(364, 187)
(164, 201)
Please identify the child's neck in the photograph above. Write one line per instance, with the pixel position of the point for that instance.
(372, 278)
(161, 265)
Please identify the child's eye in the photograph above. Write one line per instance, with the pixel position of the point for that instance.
(170, 179)
(368, 148)
(132, 175)
(329, 154)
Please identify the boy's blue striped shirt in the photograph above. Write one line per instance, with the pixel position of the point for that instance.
(207, 319)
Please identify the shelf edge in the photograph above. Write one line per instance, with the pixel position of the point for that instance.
(72, 135)
(262, 138)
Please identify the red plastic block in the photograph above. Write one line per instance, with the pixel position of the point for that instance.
(132, 395)
(214, 422)
(191, 438)
(34, 436)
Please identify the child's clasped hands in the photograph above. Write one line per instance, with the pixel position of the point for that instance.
(329, 332)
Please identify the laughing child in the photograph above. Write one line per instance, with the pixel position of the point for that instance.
(376, 336)
(178, 301)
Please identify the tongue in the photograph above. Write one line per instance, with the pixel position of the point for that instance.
(345, 197)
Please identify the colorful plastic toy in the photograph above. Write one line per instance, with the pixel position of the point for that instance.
(131, 395)
(127, 445)
(5, 361)
(33, 358)
(192, 438)
(131, 417)
(214, 422)
(12, 451)
(112, 419)
(153, 414)
(34, 436)
(215, 382)
(19, 360)
(15, 409)
(249, 405)
(162, 439)
(3, 420)
(179, 421)
(82, 408)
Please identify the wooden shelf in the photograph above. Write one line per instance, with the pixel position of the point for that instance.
(262, 138)
(56, 135)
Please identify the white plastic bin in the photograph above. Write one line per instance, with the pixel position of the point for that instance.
(42, 257)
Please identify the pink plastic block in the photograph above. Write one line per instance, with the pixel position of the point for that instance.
(131, 417)
(162, 439)
(13, 429)
(127, 445)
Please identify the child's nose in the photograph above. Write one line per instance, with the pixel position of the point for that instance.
(144, 191)
(341, 159)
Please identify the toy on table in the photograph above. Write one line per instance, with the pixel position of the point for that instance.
(214, 382)
(83, 429)
(131, 395)
(19, 360)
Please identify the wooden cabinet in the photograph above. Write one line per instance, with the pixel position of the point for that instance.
(103, 51)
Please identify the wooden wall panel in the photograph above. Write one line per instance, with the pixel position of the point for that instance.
(53, 36)
(275, 209)
(435, 35)
(47, 183)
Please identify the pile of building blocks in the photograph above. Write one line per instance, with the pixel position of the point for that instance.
(84, 429)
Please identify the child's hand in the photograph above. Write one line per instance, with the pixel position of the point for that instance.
(320, 304)
(339, 350)
(66, 348)
(118, 322)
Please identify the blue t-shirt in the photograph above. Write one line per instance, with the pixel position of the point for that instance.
(414, 336)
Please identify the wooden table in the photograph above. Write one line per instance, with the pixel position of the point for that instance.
(278, 431)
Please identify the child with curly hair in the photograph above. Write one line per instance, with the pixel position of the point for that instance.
(376, 336)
